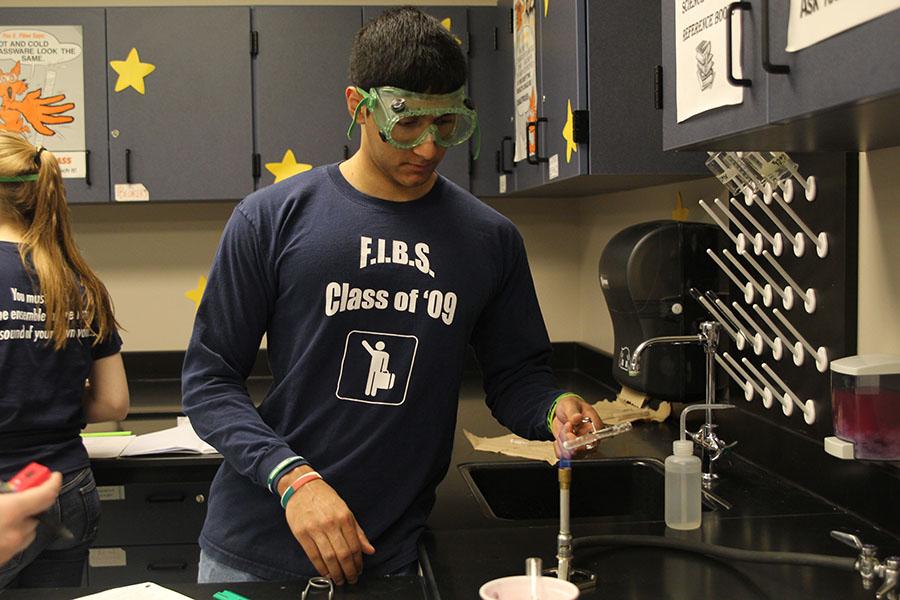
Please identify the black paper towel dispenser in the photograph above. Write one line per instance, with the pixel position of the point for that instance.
(646, 273)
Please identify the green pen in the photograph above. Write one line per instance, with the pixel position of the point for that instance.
(229, 595)
(105, 433)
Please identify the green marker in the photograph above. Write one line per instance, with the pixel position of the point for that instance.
(105, 433)
(229, 595)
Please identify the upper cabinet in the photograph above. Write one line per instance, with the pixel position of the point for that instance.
(300, 73)
(53, 90)
(180, 111)
(593, 120)
(837, 89)
(490, 57)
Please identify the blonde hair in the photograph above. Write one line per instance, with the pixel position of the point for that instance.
(48, 250)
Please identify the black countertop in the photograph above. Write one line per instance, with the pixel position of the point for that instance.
(466, 547)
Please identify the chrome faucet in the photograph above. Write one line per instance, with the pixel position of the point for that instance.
(870, 568)
(711, 445)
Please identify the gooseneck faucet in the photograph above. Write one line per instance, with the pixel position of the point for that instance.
(711, 445)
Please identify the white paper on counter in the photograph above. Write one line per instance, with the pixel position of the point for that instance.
(701, 83)
(107, 447)
(812, 22)
(138, 591)
(179, 439)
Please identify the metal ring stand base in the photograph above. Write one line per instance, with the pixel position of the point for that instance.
(584, 580)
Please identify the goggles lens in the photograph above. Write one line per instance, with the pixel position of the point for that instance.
(407, 119)
(448, 129)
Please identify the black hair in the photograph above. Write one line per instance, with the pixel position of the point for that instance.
(405, 48)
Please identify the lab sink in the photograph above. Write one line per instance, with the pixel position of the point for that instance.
(629, 489)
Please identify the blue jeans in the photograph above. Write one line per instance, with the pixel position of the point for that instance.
(212, 571)
(54, 562)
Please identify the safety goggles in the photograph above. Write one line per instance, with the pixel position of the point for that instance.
(406, 119)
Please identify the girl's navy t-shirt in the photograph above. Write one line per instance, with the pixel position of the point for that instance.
(41, 389)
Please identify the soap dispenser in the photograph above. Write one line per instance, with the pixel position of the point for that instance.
(683, 477)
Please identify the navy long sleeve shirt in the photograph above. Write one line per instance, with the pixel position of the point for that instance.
(368, 307)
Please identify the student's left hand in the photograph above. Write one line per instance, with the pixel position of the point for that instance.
(567, 423)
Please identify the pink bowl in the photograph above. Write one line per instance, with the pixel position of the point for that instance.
(518, 587)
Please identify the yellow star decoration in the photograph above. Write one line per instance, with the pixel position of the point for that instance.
(448, 25)
(568, 133)
(196, 294)
(288, 167)
(680, 212)
(131, 71)
(546, 7)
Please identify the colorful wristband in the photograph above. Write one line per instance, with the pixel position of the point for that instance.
(551, 414)
(296, 485)
(281, 468)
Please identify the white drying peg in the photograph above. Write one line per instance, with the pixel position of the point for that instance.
(776, 345)
(787, 407)
(808, 409)
(798, 241)
(757, 238)
(769, 391)
(808, 184)
(820, 353)
(740, 240)
(764, 290)
(737, 367)
(787, 294)
(754, 338)
(808, 295)
(796, 348)
(746, 287)
(739, 340)
(745, 385)
(776, 240)
(821, 240)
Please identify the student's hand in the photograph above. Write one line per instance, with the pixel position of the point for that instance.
(17, 525)
(326, 529)
(567, 423)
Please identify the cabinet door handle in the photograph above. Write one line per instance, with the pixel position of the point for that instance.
(728, 57)
(167, 566)
(165, 497)
(501, 156)
(536, 158)
(127, 165)
(87, 168)
(767, 65)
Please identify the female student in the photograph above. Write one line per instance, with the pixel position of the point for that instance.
(60, 365)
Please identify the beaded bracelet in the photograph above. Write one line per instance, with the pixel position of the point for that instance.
(298, 483)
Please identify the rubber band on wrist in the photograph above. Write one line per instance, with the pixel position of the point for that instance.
(551, 414)
(282, 468)
(296, 485)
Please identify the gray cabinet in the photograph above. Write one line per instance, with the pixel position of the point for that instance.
(490, 80)
(300, 73)
(855, 75)
(721, 122)
(599, 124)
(189, 135)
(94, 187)
(455, 165)
(842, 93)
(152, 512)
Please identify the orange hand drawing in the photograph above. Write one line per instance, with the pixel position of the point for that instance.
(40, 112)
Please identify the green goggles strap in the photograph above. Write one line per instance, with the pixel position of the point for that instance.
(369, 100)
(477, 135)
(19, 178)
